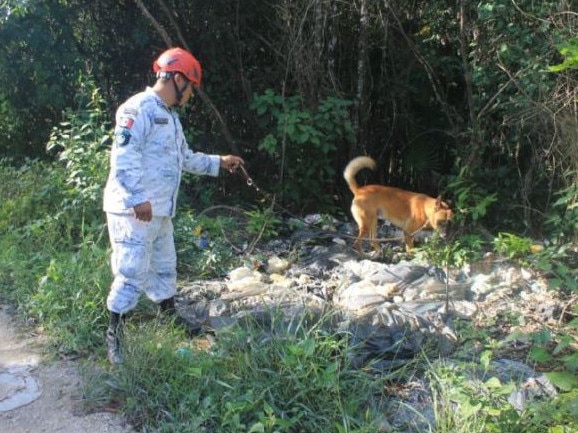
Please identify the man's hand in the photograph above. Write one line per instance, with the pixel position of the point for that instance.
(143, 211)
(231, 162)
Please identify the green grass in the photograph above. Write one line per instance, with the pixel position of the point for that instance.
(250, 380)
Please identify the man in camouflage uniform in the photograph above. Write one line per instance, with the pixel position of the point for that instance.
(147, 158)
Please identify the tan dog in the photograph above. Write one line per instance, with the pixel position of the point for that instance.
(410, 211)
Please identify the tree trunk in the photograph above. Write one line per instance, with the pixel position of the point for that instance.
(475, 142)
(360, 103)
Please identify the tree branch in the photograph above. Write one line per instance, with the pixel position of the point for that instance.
(155, 23)
(171, 18)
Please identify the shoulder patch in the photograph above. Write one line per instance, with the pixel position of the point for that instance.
(126, 122)
(122, 137)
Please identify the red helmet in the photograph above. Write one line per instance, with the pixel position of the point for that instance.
(179, 60)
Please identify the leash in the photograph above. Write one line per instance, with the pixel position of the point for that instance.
(420, 229)
(250, 182)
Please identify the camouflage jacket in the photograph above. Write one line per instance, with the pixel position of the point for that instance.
(148, 156)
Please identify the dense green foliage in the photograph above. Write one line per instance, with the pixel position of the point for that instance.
(303, 142)
(443, 94)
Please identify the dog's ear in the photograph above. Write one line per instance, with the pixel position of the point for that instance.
(441, 204)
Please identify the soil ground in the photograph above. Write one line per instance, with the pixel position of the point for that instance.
(56, 410)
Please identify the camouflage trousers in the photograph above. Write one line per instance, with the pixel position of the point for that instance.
(143, 259)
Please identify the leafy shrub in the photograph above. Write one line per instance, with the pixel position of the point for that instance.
(203, 248)
(563, 218)
(569, 50)
(512, 246)
(262, 223)
(472, 200)
(454, 253)
(302, 142)
(560, 264)
(81, 143)
(483, 406)
(29, 192)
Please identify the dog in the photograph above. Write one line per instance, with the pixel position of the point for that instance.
(409, 211)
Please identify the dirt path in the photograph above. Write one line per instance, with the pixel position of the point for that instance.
(38, 396)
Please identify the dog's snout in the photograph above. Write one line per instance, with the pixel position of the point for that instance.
(444, 228)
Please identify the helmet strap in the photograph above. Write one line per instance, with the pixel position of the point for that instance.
(179, 92)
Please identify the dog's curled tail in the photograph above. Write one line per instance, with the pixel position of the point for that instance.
(353, 167)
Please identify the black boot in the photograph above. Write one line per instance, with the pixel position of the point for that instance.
(167, 307)
(113, 339)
